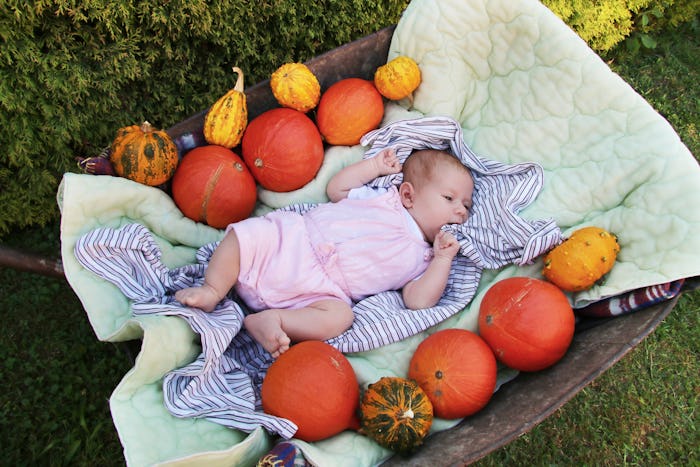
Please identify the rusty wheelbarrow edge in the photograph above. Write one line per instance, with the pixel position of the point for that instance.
(522, 404)
(357, 59)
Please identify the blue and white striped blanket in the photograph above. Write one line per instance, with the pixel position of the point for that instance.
(222, 385)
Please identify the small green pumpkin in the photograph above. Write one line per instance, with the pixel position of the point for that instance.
(144, 155)
(396, 413)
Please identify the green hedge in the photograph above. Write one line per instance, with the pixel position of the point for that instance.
(604, 24)
(72, 73)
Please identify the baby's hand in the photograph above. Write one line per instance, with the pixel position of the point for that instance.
(386, 162)
(445, 245)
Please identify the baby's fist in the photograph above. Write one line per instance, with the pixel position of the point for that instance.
(445, 245)
(387, 162)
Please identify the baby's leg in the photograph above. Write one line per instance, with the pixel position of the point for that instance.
(221, 274)
(275, 329)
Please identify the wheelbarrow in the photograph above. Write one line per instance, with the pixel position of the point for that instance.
(518, 405)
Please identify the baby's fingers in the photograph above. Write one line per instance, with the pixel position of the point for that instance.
(445, 242)
(391, 161)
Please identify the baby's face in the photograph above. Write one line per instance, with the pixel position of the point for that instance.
(445, 199)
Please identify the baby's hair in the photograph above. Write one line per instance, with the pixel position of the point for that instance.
(424, 164)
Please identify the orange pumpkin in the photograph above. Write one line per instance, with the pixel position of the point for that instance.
(528, 323)
(313, 385)
(213, 185)
(457, 370)
(283, 149)
(144, 154)
(348, 109)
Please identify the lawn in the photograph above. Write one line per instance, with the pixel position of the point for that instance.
(57, 377)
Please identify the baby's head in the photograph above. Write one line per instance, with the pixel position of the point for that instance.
(436, 190)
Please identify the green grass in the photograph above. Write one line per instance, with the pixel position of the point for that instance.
(57, 377)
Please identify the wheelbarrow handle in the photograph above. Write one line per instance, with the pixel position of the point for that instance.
(23, 261)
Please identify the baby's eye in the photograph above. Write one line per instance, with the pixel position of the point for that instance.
(447, 197)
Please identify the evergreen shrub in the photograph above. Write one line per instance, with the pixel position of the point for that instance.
(605, 23)
(72, 73)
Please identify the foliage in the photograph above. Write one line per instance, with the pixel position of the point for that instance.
(72, 73)
(604, 24)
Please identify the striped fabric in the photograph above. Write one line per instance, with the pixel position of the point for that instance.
(223, 384)
(631, 301)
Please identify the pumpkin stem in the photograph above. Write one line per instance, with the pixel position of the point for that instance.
(408, 414)
(239, 81)
(146, 127)
(410, 101)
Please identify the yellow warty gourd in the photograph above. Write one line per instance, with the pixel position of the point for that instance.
(227, 119)
(295, 86)
(582, 259)
(398, 78)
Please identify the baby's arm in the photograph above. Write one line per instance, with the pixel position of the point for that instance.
(425, 292)
(359, 173)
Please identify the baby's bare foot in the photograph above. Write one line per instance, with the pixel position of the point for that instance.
(266, 328)
(203, 297)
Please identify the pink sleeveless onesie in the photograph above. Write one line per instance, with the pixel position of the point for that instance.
(347, 250)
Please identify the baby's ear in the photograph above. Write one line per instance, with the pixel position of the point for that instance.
(407, 192)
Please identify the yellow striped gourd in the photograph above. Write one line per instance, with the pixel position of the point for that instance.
(227, 119)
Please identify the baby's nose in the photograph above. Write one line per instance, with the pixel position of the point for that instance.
(462, 213)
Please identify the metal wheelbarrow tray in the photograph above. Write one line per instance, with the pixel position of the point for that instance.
(521, 404)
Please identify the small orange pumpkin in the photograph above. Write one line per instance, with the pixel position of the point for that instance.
(283, 149)
(457, 370)
(528, 323)
(582, 259)
(226, 120)
(398, 78)
(348, 109)
(313, 385)
(295, 86)
(396, 413)
(212, 185)
(144, 155)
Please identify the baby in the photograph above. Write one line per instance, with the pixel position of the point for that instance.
(302, 273)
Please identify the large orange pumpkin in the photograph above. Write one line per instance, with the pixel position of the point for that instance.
(348, 109)
(283, 149)
(457, 370)
(313, 385)
(213, 185)
(528, 323)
